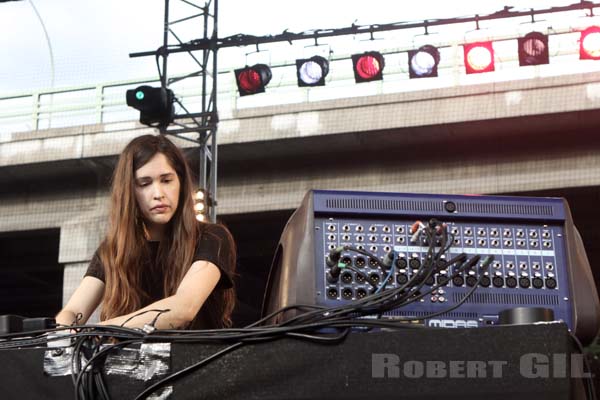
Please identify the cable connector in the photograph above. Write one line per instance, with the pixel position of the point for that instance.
(334, 273)
(434, 223)
(440, 228)
(469, 264)
(416, 230)
(388, 259)
(148, 328)
(334, 256)
(486, 263)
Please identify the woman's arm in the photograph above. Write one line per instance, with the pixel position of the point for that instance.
(84, 301)
(197, 284)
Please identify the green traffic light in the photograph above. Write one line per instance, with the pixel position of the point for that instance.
(139, 95)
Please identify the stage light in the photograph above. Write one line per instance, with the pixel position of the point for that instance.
(589, 44)
(252, 80)
(154, 103)
(533, 49)
(479, 57)
(201, 205)
(368, 66)
(423, 63)
(312, 71)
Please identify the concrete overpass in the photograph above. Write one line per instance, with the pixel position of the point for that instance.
(531, 135)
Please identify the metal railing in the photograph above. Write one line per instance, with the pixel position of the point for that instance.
(82, 105)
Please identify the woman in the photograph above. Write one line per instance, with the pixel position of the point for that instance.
(156, 256)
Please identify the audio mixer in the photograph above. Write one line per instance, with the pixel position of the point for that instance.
(340, 247)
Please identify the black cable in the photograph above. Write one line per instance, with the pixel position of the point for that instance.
(459, 303)
(412, 295)
(321, 315)
(153, 322)
(305, 326)
(417, 277)
(187, 370)
(282, 310)
(357, 304)
(320, 338)
(158, 67)
(77, 373)
(368, 254)
(99, 380)
(358, 271)
(142, 313)
(92, 359)
(178, 374)
(409, 298)
(412, 299)
(76, 361)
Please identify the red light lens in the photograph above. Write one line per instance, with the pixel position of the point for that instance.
(252, 80)
(367, 67)
(479, 57)
(589, 44)
(249, 80)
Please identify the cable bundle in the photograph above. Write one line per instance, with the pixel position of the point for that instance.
(313, 323)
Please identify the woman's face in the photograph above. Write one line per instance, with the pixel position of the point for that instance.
(157, 191)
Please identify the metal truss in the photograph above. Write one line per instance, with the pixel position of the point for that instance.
(203, 122)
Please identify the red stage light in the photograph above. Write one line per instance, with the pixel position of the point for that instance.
(368, 66)
(252, 80)
(479, 57)
(589, 44)
(533, 49)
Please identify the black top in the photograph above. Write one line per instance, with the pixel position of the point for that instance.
(214, 246)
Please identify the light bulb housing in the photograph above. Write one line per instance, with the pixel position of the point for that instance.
(478, 57)
(312, 71)
(252, 80)
(533, 49)
(423, 62)
(589, 44)
(154, 103)
(368, 66)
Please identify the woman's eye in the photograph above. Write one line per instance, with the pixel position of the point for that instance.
(167, 180)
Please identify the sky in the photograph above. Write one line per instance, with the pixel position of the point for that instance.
(63, 43)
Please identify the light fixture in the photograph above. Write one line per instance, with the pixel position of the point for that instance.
(423, 63)
(368, 66)
(478, 57)
(201, 205)
(154, 103)
(312, 71)
(252, 80)
(589, 44)
(533, 49)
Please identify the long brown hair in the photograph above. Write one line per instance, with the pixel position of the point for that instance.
(124, 251)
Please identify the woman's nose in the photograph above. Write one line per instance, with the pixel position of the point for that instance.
(157, 192)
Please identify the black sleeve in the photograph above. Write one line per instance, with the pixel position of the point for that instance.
(96, 269)
(216, 246)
